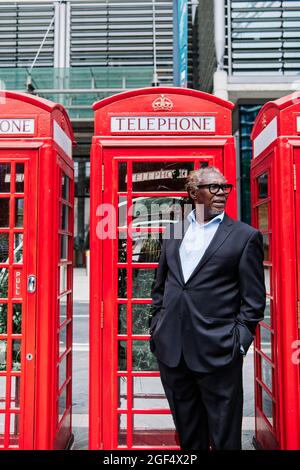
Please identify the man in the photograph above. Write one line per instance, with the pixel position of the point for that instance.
(208, 297)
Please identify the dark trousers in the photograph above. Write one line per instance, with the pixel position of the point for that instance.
(207, 409)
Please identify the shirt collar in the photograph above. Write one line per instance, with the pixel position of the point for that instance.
(218, 218)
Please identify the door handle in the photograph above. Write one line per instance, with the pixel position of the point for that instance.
(31, 283)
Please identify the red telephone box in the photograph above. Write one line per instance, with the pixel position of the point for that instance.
(36, 228)
(275, 179)
(146, 142)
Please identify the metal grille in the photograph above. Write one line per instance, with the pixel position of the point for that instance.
(22, 29)
(264, 37)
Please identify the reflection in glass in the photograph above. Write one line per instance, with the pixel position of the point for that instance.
(18, 248)
(148, 392)
(3, 345)
(2, 392)
(3, 319)
(267, 313)
(146, 247)
(153, 428)
(265, 341)
(122, 214)
(64, 247)
(122, 176)
(266, 373)
(142, 282)
(14, 429)
(17, 319)
(122, 355)
(3, 283)
(15, 392)
(64, 217)
(62, 403)
(20, 178)
(122, 283)
(65, 187)
(63, 278)
(62, 341)
(122, 250)
(262, 181)
(122, 429)
(160, 176)
(62, 371)
(122, 390)
(4, 178)
(4, 247)
(122, 326)
(19, 212)
(266, 247)
(141, 315)
(4, 212)
(267, 406)
(267, 272)
(158, 211)
(263, 216)
(62, 309)
(16, 354)
(142, 358)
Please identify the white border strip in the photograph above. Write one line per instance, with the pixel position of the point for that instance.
(265, 138)
(62, 139)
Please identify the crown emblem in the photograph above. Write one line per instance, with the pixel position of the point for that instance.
(162, 103)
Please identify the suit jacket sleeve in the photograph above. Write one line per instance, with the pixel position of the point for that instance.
(159, 286)
(252, 289)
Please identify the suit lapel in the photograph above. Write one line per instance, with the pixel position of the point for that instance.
(185, 225)
(219, 237)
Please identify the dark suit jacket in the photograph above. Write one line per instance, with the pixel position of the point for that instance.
(218, 308)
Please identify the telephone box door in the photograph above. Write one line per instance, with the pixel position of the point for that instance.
(18, 181)
(148, 195)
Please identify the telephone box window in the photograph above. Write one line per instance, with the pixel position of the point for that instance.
(142, 358)
(122, 319)
(141, 315)
(4, 212)
(143, 430)
(16, 354)
(122, 392)
(266, 341)
(4, 177)
(18, 248)
(15, 392)
(266, 373)
(263, 216)
(262, 181)
(142, 282)
(3, 346)
(148, 392)
(160, 176)
(145, 248)
(19, 212)
(4, 251)
(17, 319)
(122, 355)
(267, 406)
(14, 429)
(3, 283)
(122, 283)
(20, 178)
(266, 244)
(2, 394)
(3, 319)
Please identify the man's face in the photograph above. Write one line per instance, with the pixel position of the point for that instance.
(214, 204)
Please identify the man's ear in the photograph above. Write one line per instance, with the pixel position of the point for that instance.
(192, 194)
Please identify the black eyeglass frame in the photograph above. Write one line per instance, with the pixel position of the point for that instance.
(220, 186)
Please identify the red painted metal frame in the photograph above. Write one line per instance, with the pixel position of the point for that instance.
(106, 152)
(280, 156)
(38, 394)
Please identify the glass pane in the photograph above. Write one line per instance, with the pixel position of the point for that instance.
(64, 217)
(141, 315)
(64, 247)
(16, 354)
(263, 216)
(122, 250)
(62, 371)
(262, 182)
(143, 282)
(122, 430)
(267, 406)
(267, 271)
(122, 326)
(122, 214)
(17, 319)
(18, 248)
(62, 309)
(142, 358)
(158, 211)
(14, 429)
(62, 341)
(20, 178)
(2, 391)
(4, 212)
(3, 283)
(266, 247)
(62, 403)
(15, 392)
(4, 247)
(268, 312)
(148, 393)
(3, 319)
(19, 212)
(2, 427)
(122, 397)
(266, 341)
(65, 187)
(3, 345)
(63, 278)
(266, 373)
(4, 178)
(122, 176)
(122, 355)
(146, 247)
(122, 283)
(160, 176)
(153, 430)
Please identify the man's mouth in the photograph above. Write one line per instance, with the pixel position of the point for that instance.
(219, 203)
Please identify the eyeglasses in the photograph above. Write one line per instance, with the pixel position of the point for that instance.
(215, 188)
